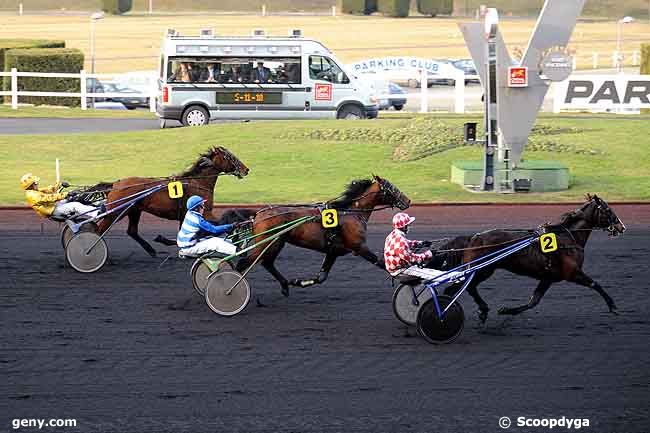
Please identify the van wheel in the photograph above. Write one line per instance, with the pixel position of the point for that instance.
(398, 107)
(350, 112)
(195, 115)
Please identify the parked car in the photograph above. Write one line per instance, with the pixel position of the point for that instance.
(130, 102)
(384, 88)
(468, 68)
(93, 85)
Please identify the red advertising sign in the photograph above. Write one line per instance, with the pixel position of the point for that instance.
(323, 92)
(517, 76)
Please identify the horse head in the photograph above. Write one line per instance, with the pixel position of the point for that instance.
(602, 216)
(390, 195)
(226, 162)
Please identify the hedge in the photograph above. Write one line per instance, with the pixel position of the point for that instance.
(645, 65)
(435, 7)
(357, 7)
(68, 60)
(9, 44)
(117, 7)
(394, 8)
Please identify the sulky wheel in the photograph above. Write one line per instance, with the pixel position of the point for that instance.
(437, 331)
(66, 233)
(86, 252)
(227, 293)
(403, 306)
(200, 272)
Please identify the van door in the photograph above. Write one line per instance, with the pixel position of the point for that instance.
(330, 86)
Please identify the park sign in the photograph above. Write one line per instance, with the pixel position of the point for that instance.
(598, 92)
(401, 64)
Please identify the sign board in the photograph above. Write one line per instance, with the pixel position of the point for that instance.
(556, 65)
(517, 76)
(323, 92)
(599, 92)
(403, 63)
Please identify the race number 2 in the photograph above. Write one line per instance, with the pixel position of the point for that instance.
(175, 189)
(548, 242)
(329, 218)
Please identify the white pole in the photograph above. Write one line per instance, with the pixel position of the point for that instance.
(150, 7)
(92, 60)
(635, 58)
(574, 63)
(557, 98)
(83, 84)
(263, 10)
(618, 45)
(152, 98)
(20, 9)
(333, 11)
(58, 171)
(424, 101)
(459, 92)
(614, 59)
(595, 60)
(14, 88)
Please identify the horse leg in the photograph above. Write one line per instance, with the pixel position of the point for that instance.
(268, 261)
(483, 307)
(584, 280)
(365, 252)
(328, 262)
(538, 294)
(134, 220)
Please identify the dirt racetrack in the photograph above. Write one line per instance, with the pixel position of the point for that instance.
(134, 349)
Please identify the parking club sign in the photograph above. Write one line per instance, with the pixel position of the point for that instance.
(517, 76)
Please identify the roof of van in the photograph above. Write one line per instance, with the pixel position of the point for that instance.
(171, 42)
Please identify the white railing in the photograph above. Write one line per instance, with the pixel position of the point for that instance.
(83, 93)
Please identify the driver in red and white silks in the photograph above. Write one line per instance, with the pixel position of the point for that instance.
(399, 259)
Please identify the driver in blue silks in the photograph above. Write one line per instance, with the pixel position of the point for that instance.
(188, 239)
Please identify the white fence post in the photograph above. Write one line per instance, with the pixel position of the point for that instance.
(557, 98)
(333, 11)
(150, 7)
(635, 58)
(615, 59)
(152, 98)
(424, 97)
(574, 62)
(82, 81)
(20, 9)
(14, 88)
(263, 10)
(459, 92)
(595, 60)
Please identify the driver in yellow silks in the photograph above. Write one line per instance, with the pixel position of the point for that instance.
(50, 201)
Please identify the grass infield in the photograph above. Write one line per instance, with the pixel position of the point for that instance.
(286, 169)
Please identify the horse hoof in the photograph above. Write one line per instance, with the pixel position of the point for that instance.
(159, 239)
(259, 303)
(482, 316)
(613, 310)
(285, 292)
(504, 310)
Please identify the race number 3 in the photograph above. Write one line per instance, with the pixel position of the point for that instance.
(548, 242)
(329, 218)
(175, 189)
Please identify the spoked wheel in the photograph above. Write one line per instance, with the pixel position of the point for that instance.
(435, 330)
(227, 293)
(66, 233)
(200, 272)
(404, 308)
(86, 252)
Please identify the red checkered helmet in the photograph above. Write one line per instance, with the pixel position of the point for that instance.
(401, 220)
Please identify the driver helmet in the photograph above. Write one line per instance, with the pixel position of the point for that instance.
(401, 220)
(28, 180)
(194, 202)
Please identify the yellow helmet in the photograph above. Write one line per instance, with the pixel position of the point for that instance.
(28, 180)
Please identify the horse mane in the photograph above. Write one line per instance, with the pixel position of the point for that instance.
(353, 192)
(197, 167)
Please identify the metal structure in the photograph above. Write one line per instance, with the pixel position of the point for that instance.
(511, 106)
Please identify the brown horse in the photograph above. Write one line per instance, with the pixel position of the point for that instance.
(354, 208)
(200, 179)
(565, 264)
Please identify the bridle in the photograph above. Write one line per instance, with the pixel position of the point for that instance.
(387, 189)
(233, 160)
(612, 219)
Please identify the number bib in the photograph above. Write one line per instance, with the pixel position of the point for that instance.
(548, 242)
(329, 218)
(175, 189)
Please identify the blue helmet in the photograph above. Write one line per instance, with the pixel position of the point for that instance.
(194, 202)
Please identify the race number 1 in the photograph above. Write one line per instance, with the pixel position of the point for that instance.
(329, 218)
(175, 189)
(548, 242)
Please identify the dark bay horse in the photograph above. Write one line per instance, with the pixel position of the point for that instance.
(200, 179)
(565, 264)
(354, 208)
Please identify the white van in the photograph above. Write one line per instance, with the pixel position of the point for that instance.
(208, 77)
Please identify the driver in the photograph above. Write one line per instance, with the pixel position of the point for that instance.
(51, 201)
(398, 257)
(188, 239)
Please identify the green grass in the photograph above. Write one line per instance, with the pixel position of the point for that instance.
(309, 170)
(67, 113)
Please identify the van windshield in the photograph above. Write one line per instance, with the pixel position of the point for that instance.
(231, 70)
(324, 68)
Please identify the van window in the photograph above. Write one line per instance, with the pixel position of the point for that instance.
(232, 70)
(323, 68)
